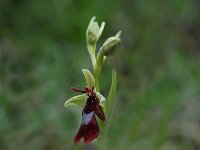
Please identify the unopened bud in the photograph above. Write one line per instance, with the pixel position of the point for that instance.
(109, 46)
(93, 31)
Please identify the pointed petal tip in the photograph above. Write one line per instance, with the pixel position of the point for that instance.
(118, 33)
(93, 19)
(66, 104)
(76, 140)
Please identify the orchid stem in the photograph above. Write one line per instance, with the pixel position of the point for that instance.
(97, 72)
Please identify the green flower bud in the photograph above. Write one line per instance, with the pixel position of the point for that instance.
(93, 31)
(109, 46)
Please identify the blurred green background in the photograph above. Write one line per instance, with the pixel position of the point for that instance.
(42, 52)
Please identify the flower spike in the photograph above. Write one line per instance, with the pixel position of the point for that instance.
(95, 107)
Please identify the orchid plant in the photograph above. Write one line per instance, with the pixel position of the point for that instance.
(96, 108)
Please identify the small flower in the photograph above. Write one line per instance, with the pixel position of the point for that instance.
(89, 129)
(93, 34)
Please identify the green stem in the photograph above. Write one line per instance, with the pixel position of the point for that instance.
(96, 77)
(100, 140)
(92, 50)
(97, 72)
(100, 123)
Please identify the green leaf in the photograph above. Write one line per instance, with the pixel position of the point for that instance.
(112, 92)
(88, 77)
(78, 100)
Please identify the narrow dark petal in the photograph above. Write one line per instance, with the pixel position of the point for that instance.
(100, 113)
(77, 90)
(89, 129)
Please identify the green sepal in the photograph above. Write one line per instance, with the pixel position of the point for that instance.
(78, 100)
(89, 78)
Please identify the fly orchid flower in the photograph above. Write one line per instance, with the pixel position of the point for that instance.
(89, 129)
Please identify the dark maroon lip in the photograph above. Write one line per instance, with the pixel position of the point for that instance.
(89, 129)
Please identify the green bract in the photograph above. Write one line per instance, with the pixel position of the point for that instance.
(112, 92)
